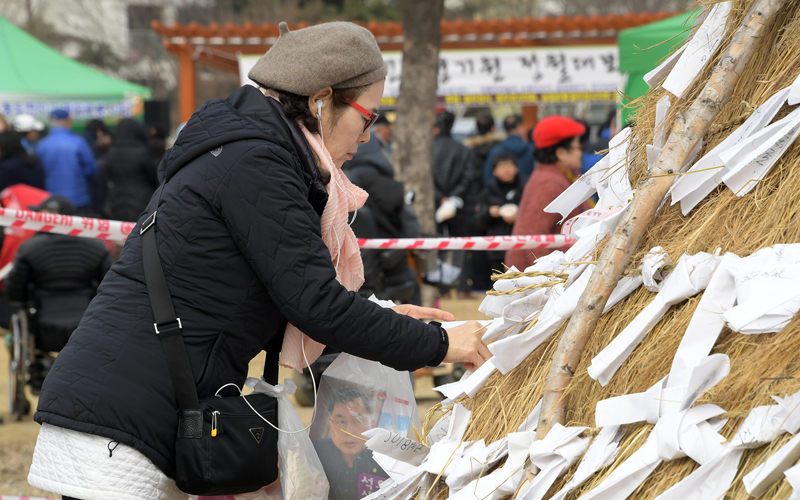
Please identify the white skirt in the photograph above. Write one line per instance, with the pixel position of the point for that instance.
(78, 465)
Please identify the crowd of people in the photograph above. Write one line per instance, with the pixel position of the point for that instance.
(491, 184)
(102, 174)
(97, 173)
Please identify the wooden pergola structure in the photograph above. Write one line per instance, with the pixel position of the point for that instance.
(218, 46)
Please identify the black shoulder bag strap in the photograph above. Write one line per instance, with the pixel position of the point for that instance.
(169, 328)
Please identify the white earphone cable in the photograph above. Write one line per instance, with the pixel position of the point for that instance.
(313, 384)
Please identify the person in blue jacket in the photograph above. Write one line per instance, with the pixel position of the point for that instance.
(516, 144)
(68, 162)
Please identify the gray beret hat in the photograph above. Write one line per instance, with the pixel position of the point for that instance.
(339, 55)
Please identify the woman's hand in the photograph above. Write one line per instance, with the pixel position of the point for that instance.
(423, 312)
(494, 211)
(466, 345)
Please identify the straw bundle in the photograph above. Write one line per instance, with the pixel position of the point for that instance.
(761, 365)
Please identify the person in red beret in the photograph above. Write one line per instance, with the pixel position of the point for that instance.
(558, 158)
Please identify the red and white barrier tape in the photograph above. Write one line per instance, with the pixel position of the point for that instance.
(86, 227)
(118, 231)
(540, 241)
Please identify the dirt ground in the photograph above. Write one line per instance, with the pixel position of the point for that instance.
(17, 439)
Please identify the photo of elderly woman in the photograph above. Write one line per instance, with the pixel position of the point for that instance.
(351, 470)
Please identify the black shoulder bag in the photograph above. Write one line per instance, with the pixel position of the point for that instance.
(223, 445)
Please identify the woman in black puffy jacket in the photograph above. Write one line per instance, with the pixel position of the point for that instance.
(238, 231)
(130, 172)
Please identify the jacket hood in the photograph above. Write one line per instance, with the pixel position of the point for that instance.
(245, 114)
(129, 130)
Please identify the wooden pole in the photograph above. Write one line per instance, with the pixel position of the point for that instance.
(530, 115)
(187, 83)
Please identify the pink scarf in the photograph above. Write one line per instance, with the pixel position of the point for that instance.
(343, 197)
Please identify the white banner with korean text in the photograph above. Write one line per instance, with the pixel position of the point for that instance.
(512, 75)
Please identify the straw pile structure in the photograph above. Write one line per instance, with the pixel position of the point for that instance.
(761, 365)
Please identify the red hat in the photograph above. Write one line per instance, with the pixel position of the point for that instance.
(554, 129)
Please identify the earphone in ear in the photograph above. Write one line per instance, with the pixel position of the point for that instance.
(319, 117)
(319, 109)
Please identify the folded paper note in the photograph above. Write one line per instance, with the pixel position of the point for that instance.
(699, 50)
(690, 277)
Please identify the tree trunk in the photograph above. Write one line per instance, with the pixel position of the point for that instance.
(412, 139)
(688, 129)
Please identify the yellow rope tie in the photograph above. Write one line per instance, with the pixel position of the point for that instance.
(526, 288)
(529, 274)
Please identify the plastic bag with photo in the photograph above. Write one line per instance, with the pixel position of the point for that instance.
(356, 395)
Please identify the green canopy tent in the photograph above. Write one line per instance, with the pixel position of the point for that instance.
(643, 48)
(36, 79)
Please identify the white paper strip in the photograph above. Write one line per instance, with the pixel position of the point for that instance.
(767, 289)
(793, 476)
(713, 478)
(707, 173)
(628, 475)
(654, 260)
(657, 75)
(476, 461)
(691, 276)
(399, 447)
(553, 455)
(794, 92)
(771, 471)
(709, 481)
(608, 177)
(532, 422)
(579, 191)
(396, 469)
(601, 453)
(751, 169)
(690, 433)
(699, 50)
(661, 128)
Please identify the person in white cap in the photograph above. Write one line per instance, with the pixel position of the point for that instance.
(29, 129)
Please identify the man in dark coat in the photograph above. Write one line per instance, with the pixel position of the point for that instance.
(455, 176)
(57, 275)
(129, 172)
(454, 172)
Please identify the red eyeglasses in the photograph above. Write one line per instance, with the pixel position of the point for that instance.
(368, 115)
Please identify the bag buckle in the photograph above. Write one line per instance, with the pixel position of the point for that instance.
(149, 221)
(169, 327)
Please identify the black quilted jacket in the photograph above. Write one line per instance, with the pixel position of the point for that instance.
(242, 253)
